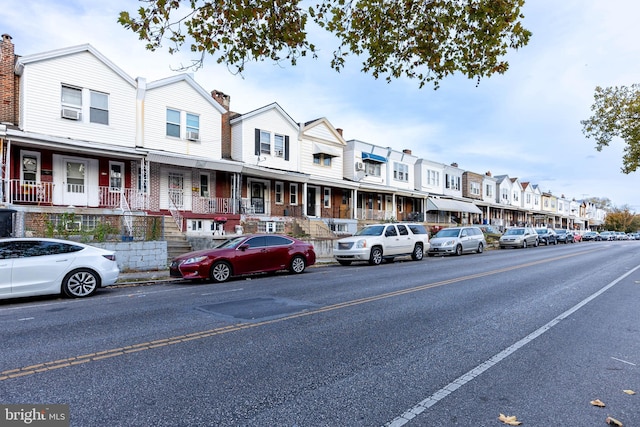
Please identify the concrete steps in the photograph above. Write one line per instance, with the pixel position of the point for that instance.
(177, 243)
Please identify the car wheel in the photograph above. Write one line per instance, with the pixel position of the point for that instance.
(480, 248)
(376, 256)
(80, 283)
(536, 243)
(341, 262)
(220, 272)
(524, 244)
(297, 265)
(458, 250)
(418, 253)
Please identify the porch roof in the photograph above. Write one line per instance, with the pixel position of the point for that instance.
(193, 161)
(451, 205)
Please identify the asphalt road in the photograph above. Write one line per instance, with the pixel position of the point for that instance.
(535, 333)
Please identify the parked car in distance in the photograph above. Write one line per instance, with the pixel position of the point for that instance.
(489, 229)
(518, 237)
(564, 236)
(377, 242)
(457, 240)
(591, 235)
(606, 235)
(577, 237)
(41, 266)
(241, 255)
(547, 236)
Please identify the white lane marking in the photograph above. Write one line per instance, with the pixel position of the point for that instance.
(425, 404)
(26, 318)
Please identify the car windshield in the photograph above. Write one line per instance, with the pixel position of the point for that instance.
(374, 230)
(231, 243)
(514, 231)
(448, 232)
(541, 231)
(561, 231)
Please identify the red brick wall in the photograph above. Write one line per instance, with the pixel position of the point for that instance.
(8, 83)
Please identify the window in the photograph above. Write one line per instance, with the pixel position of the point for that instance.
(401, 172)
(322, 159)
(116, 176)
(433, 177)
(265, 142)
(142, 180)
(489, 190)
(99, 108)
(278, 145)
(293, 194)
(327, 198)
(193, 126)
(403, 230)
(71, 97)
(372, 168)
(475, 188)
(505, 194)
(173, 123)
(452, 182)
(400, 204)
(279, 190)
(536, 200)
(516, 197)
(30, 166)
(196, 225)
(528, 198)
(204, 185)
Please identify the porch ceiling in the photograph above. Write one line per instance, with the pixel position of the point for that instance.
(451, 206)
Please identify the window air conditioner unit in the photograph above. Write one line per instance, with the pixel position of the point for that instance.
(279, 153)
(70, 113)
(193, 136)
(359, 166)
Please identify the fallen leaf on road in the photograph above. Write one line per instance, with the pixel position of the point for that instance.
(511, 420)
(613, 422)
(597, 402)
(629, 391)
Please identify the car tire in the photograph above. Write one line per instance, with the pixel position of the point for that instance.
(536, 243)
(297, 265)
(458, 250)
(418, 253)
(480, 248)
(220, 272)
(80, 283)
(524, 244)
(375, 258)
(341, 262)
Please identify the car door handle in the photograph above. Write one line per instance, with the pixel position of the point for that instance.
(62, 260)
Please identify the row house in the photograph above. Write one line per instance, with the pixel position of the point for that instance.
(80, 135)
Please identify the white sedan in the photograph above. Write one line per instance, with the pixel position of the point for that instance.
(41, 266)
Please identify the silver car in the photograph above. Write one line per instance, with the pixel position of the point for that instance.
(519, 237)
(457, 240)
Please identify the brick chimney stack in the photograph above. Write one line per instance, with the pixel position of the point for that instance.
(224, 100)
(8, 82)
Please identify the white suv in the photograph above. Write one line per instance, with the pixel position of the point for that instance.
(376, 242)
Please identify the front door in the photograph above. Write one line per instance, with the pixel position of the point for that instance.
(75, 191)
(176, 189)
(257, 197)
(312, 206)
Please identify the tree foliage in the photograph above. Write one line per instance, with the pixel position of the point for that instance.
(425, 40)
(621, 219)
(600, 202)
(616, 113)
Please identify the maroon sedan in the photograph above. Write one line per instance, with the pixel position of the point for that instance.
(257, 253)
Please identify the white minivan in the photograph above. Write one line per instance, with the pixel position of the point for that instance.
(457, 240)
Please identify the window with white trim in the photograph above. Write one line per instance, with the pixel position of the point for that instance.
(193, 126)
(400, 172)
(173, 122)
(116, 177)
(452, 182)
(327, 197)
(278, 145)
(489, 190)
(372, 168)
(293, 194)
(204, 185)
(279, 190)
(322, 159)
(30, 161)
(265, 142)
(99, 107)
(475, 188)
(433, 177)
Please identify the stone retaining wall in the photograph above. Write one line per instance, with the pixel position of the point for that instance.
(138, 256)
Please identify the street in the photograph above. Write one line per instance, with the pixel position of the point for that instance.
(534, 333)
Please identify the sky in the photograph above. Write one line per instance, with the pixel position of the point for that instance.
(525, 123)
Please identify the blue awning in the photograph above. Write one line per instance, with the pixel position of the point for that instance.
(373, 157)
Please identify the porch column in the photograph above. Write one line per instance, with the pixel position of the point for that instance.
(304, 199)
(354, 203)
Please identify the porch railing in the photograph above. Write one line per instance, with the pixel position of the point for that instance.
(374, 214)
(133, 198)
(30, 192)
(213, 205)
(175, 213)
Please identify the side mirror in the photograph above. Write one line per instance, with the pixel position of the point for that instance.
(243, 247)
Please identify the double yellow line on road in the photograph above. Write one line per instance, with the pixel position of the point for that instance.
(121, 351)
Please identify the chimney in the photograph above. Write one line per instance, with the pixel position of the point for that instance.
(488, 173)
(454, 164)
(225, 125)
(339, 130)
(406, 151)
(8, 82)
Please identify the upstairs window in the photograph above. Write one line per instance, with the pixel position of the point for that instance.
(475, 188)
(71, 103)
(322, 159)
(372, 168)
(99, 109)
(193, 127)
(173, 123)
(278, 145)
(400, 172)
(265, 142)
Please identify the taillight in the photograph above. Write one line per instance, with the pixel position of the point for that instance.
(110, 257)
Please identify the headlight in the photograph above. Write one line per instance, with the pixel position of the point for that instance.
(449, 243)
(195, 260)
(361, 244)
